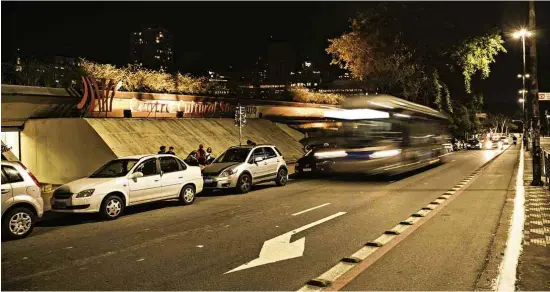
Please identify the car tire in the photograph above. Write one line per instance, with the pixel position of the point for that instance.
(112, 207)
(282, 177)
(244, 184)
(18, 223)
(187, 195)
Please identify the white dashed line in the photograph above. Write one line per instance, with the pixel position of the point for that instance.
(310, 209)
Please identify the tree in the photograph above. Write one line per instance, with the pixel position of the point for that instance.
(476, 55)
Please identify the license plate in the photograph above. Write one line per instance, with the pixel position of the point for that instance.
(208, 180)
(307, 169)
(60, 205)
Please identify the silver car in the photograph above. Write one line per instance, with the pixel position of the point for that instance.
(22, 202)
(241, 167)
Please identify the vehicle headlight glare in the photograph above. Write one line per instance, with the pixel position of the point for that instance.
(228, 172)
(385, 153)
(85, 193)
(330, 154)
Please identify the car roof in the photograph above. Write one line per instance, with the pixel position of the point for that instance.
(252, 146)
(145, 156)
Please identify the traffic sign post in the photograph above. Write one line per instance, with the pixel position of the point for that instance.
(240, 120)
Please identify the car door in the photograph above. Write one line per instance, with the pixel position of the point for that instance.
(258, 169)
(271, 162)
(148, 186)
(172, 176)
(7, 193)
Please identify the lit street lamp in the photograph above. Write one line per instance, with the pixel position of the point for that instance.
(522, 34)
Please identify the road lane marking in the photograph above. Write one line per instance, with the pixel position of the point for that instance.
(383, 244)
(310, 209)
(280, 248)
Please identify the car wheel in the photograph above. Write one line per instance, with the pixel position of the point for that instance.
(18, 223)
(244, 184)
(282, 177)
(187, 195)
(112, 207)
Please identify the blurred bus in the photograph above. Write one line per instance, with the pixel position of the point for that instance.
(378, 134)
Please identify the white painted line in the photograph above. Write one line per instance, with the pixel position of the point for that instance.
(280, 248)
(336, 271)
(453, 160)
(364, 252)
(506, 279)
(311, 209)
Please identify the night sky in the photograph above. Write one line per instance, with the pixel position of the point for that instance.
(214, 35)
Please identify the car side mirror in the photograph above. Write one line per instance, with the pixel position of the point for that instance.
(137, 174)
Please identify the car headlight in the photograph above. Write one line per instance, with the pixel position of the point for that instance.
(85, 193)
(385, 153)
(228, 172)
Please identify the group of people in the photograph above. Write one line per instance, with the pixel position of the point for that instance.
(163, 150)
(200, 156)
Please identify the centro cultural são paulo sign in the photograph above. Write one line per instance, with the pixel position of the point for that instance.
(99, 94)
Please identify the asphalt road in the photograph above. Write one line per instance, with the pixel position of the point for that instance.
(165, 246)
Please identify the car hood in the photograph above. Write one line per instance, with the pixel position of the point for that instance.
(86, 183)
(217, 168)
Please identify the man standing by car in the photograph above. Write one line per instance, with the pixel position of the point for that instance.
(162, 150)
(171, 150)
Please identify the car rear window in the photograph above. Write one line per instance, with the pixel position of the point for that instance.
(12, 174)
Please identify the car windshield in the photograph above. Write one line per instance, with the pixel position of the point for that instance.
(233, 155)
(115, 168)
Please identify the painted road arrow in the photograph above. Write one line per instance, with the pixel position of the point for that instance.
(280, 248)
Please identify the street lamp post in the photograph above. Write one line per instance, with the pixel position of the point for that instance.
(522, 34)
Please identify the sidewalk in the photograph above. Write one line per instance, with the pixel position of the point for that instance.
(534, 262)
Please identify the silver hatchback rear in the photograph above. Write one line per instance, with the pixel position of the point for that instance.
(22, 203)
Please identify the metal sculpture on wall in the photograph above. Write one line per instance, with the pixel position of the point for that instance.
(103, 91)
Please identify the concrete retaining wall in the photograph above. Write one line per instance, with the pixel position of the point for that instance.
(61, 150)
(64, 149)
(142, 136)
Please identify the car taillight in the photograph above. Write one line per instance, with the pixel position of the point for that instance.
(30, 174)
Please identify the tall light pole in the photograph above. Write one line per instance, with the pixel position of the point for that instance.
(522, 34)
(534, 108)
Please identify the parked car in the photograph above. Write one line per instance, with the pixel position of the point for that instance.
(129, 181)
(474, 144)
(241, 167)
(22, 203)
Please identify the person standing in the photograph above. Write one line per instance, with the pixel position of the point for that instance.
(171, 150)
(201, 154)
(162, 150)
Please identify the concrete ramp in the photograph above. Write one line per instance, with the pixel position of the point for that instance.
(143, 136)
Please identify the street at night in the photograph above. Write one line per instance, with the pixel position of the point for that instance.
(275, 146)
(165, 246)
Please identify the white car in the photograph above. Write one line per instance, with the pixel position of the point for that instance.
(22, 203)
(129, 181)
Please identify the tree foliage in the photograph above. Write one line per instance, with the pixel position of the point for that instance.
(476, 55)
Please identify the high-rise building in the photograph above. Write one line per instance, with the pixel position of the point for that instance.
(152, 48)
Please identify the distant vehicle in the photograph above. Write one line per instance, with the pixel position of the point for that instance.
(129, 181)
(241, 167)
(474, 144)
(377, 134)
(22, 203)
(505, 140)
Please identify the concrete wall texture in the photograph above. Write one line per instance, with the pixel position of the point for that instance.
(142, 136)
(60, 150)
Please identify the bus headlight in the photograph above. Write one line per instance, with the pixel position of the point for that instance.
(385, 153)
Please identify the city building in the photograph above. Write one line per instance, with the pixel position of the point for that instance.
(152, 48)
(306, 76)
